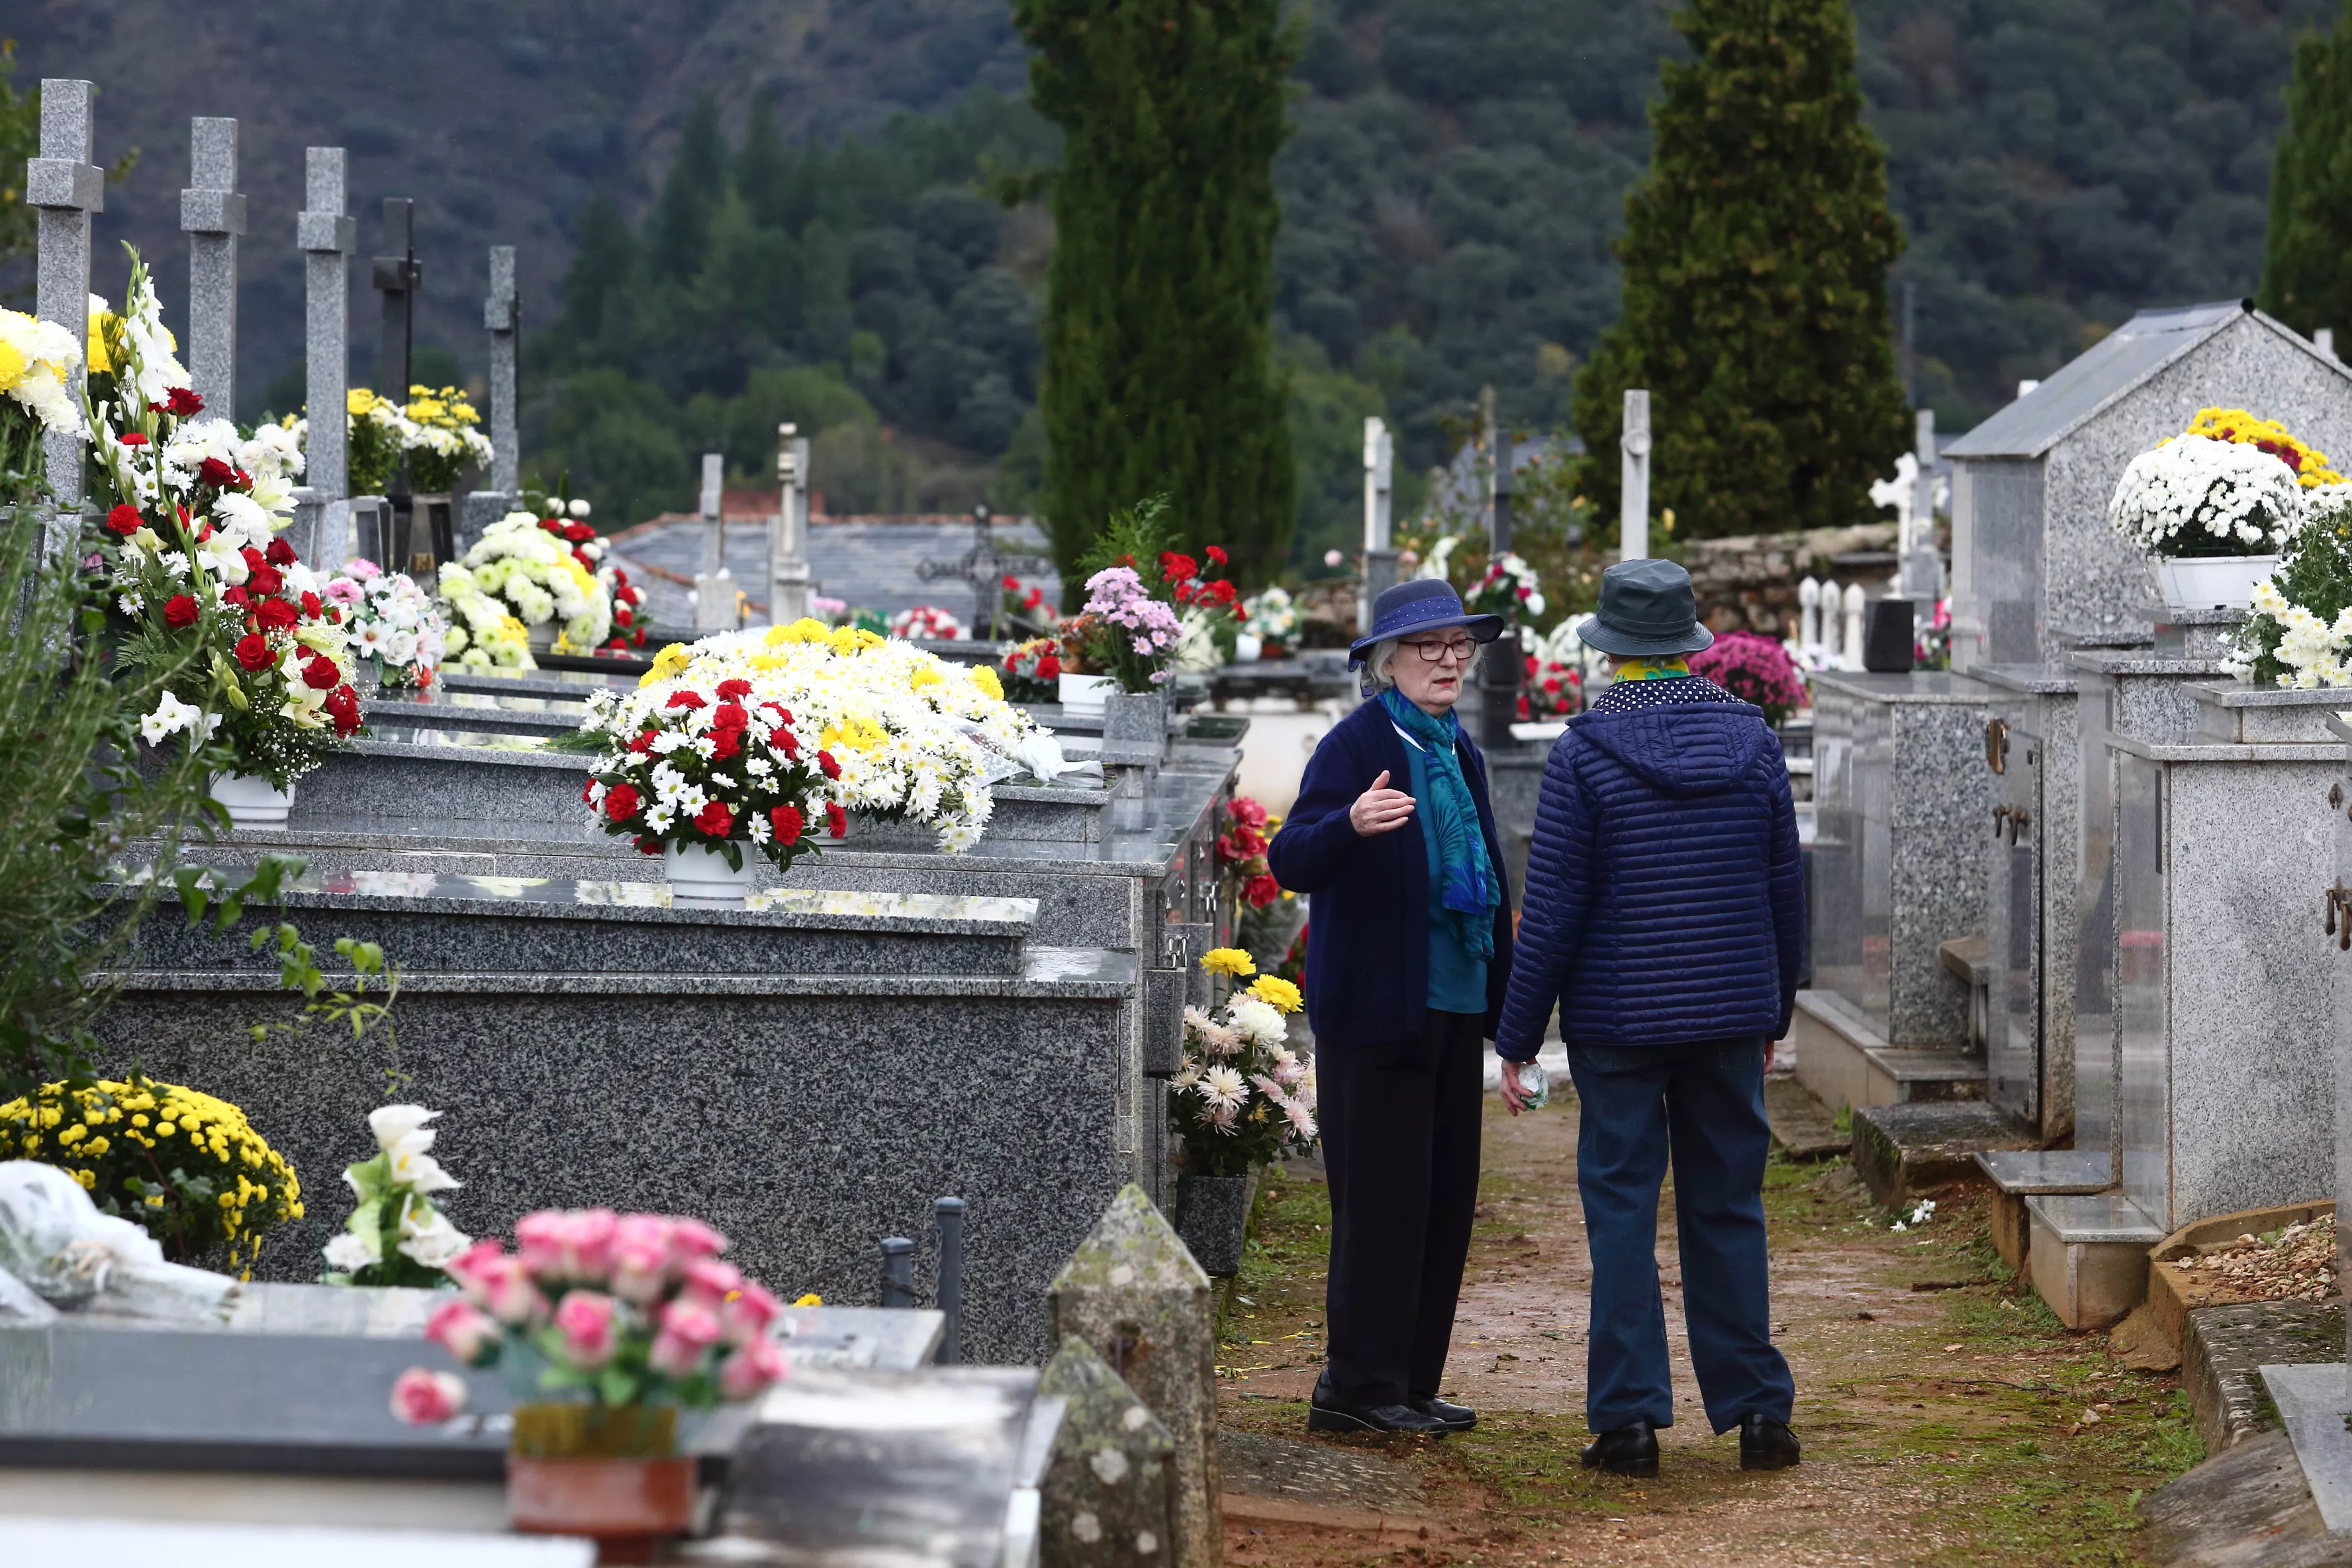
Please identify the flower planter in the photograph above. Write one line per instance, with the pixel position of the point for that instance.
(2212, 581)
(609, 1474)
(1136, 717)
(702, 879)
(1247, 649)
(1213, 1219)
(1081, 696)
(252, 803)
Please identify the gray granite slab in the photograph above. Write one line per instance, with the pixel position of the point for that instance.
(429, 922)
(2096, 1218)
(2313, 1406)
(2237, 711)
(2032, 874)
(2030, 1171)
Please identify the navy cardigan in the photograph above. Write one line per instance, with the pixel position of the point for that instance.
(1665, 898)
(1367, 945)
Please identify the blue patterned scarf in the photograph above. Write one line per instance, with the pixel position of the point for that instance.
(1469, 893)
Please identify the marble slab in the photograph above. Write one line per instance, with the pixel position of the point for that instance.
(2031, 874)
(2313, 1405)
(2029, 1171)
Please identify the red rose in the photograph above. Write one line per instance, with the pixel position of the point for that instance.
(279, 553)
(254, 652)
(124, 520)
(180, 610)
(342, 706)
(1049, 668)
(236, 596)
(787, 821)
(214, 471)
(715, 819)
(320, 674)
(579, 533)
(621, 802)
(183, 402)
(311, 606)
(264, 579)
(832, 769)
(836, 821)
(735, 689)
(131, 438)
(684, 699)
(276, 615)
(643, 742)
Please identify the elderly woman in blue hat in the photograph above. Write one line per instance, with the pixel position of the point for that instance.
(1408, 953)
(1665, 918)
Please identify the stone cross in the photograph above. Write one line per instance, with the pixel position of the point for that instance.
(789, 586)
(1902, 494)
(502, 314)
(212, 215)
(1134, 1296)
(1105, 1502)
(1634, 478)
(66, 187)
(714, 586)
(985, 570)
(327, 235)
(1379, 550)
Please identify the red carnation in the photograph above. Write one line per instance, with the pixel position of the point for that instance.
(216, 473)
(180, 610)
(342, 706)
(254, 652)
(311, 606)
(729, 716)
(621, 802)
(551, 526)
(632, 595)
(643, 742)
(832, 769)
(1011, 585)
(715, 819)
(124, 520)
(836, 821)
(279, 553)
(786, 741)
(131, 438)
(183, 401)
(581, 556)
(783, 714)
(738, 687)
(725, 743)
(787, 821)
(579, 533)
(264, 579)
(621, 617)
(276, 615)
(322, 675)
(1049, 668)
(649, 846)
(1177, 567)
(1261, 890)
(684, 699)
(587, 789)
(1216, 555)
(254, 560)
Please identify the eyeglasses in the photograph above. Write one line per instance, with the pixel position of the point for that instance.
(1433, 652)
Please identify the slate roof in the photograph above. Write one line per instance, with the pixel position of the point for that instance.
(863, 562)
(2124, 359)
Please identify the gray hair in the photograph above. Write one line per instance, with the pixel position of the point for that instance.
(1379, 678)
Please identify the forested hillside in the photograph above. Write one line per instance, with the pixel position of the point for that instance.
(1456, 177)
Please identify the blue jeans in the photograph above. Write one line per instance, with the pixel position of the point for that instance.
(1705, 1103)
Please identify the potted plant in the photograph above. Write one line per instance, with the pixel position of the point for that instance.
(1081, 679)
(928, 623)
(604, 1326)
(547, 572)
(396, 1235)
(1755, 670)
(1269, 621)
(189, 551)
(2212, 507)
(395, 631)
(1032, 671)
(1241, 1100)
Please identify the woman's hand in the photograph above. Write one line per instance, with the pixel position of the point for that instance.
(1379, 809)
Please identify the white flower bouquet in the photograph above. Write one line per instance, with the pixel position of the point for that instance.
(36, 358)
(1244, 1098)
(391, 624)
(1270, 616)
(2194, 495)
(897, 733)
(396, 1235)
(930, 621)
(545, 580)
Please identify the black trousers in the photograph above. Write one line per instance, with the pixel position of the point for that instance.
(1400, 1149)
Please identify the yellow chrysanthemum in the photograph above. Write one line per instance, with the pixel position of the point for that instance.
(1277, 993)
(985, 679)
(811, 1300)
(12, 366)
(1231, 961)
(2235, 424)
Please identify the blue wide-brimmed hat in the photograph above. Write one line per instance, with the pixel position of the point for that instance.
(1647, 611)
(1424, 604)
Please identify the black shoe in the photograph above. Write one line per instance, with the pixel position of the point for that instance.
(1630, 1450)
(1325, 1416)
(1766, 1444)
(1457, 1417)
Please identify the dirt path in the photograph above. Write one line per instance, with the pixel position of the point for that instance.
(1943, 1425)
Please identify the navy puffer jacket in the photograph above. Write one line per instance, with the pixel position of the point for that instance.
(1665, 898)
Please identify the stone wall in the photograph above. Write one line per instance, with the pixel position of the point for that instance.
(1750, 584)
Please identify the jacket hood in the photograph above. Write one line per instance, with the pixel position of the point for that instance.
(1685, 750)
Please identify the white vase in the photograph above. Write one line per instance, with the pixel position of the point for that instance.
(2212, 581)
(1248, 649)
(700, 878)
(252, 803)
(1081, 696)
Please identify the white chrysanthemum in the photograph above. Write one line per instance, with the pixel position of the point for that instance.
(37, 360)
(2196, 490)
(1223, 1089)
(1257, 1019)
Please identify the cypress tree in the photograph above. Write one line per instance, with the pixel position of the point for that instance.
(1159, 369)
(2306, 282)
(692, 194)
(1756, 253)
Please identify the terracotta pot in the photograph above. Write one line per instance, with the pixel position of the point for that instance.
(611, 1474)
